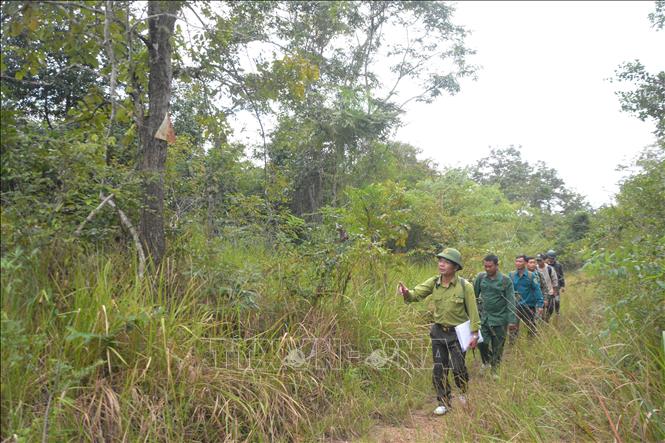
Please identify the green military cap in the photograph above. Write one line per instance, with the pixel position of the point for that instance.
(451, 254)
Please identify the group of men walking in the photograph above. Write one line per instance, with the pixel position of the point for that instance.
(531, 292)
(494, 304)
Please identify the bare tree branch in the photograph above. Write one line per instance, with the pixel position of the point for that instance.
(81, 5)
(27, 82)
(135, 236)
(92, 215)
(108, 200)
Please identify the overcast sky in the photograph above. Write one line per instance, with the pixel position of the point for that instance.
(544, 85)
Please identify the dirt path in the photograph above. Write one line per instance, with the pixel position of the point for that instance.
(421, 425)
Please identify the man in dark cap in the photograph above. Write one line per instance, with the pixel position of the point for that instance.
(453, 303)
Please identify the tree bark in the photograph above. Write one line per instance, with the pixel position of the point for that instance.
(152, 158)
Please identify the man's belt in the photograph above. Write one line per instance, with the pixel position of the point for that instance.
(445, 328)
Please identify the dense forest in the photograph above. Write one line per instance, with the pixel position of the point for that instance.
(157, 275)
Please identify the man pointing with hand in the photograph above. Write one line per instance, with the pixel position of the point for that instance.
(453, 303)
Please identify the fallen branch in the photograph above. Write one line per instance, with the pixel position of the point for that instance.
(92, 215)
(108, 200)
(137, 241)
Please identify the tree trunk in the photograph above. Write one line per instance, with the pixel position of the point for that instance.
(152, 158)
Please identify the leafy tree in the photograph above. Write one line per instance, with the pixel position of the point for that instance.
(96, 38)
(647, 99)
(390, 161)
(379, 212)
(43, 76)
(535, 184)
(657, 17)
(320, 72)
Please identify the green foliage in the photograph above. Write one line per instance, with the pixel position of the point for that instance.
(333, 110)
(307, 243)
(536, 184)
(51, 182)
(391, 160)
(647, 98)
(626, 248)
(378, 212)
(37, 69)
(657, 17)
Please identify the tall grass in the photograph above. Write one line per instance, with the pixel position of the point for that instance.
(568, 383)
(197, 351)
(204, 349)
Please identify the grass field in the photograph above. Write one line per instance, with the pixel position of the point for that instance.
(90, 353)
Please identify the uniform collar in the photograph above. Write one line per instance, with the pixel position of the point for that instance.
(453, 282)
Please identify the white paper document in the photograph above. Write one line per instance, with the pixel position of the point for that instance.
(464, 335)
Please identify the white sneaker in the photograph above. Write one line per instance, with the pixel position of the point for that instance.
(440, 410)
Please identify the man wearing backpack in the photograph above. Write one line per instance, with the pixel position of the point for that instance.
(558, 267)
(453, 303)
(532, 266)
(496, 303)
(545, 285)
(527, 286)
(549, 279)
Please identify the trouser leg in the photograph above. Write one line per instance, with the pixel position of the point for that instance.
(550, 307)
(440, 369)
(531, 320)
(486, 347)
(447, 355)
(513, 333)
(457, 363)
(527, 315)
(498, 337)
(557, 303)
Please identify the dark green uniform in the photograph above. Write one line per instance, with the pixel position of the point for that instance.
(496, 303)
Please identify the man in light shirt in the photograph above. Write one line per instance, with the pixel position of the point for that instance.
(549, 277)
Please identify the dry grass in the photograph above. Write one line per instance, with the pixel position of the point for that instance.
(169, 359)
(561, 386)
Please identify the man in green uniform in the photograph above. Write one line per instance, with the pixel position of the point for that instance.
(496, 303)
(453, 303)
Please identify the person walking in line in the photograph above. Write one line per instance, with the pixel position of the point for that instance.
(550, 280)
(496, 303)
(532, 266)
(558, 267)
(453, 303)
(527, 286)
